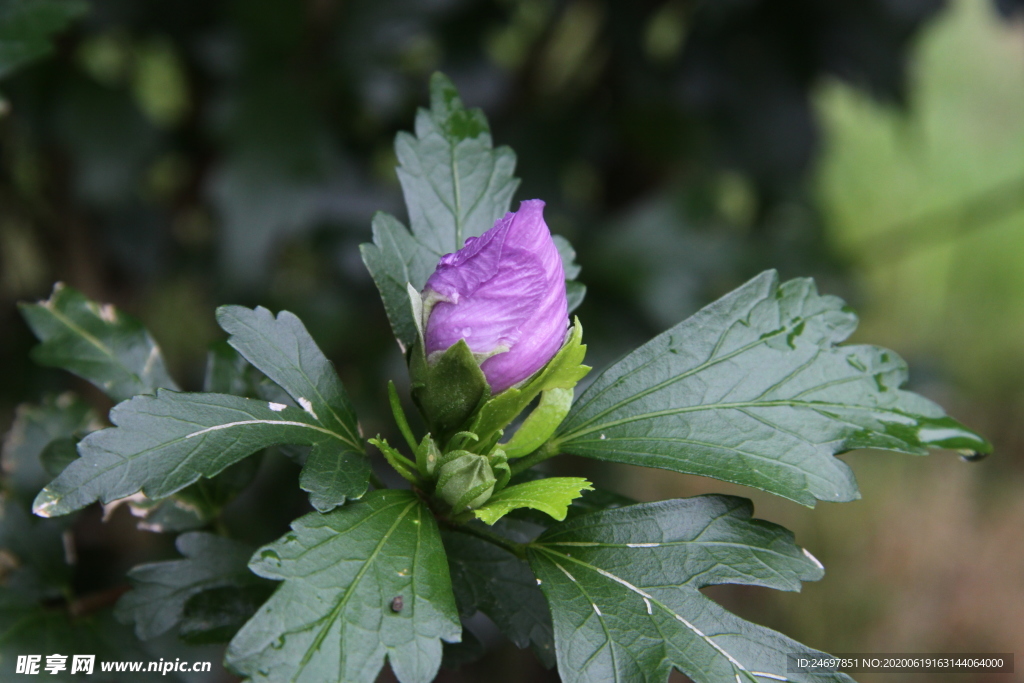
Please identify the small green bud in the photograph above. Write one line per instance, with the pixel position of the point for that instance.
(428, 455)
(465, 480)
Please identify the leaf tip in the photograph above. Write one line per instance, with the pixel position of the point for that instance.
(46, 504)
(816, 561)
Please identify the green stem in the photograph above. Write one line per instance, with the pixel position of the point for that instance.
(517, 549)
(400, 418)
(548, 450)
(398, 462)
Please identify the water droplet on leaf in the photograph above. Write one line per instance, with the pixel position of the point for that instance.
(972, 456)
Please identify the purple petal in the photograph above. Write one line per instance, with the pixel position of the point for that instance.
(504, 293)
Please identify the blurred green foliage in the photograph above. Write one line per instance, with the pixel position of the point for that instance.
(171, 157)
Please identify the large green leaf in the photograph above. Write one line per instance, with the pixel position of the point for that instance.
(456, 185)
(490, 579)
(364, 582)
(96, 342)
(26, 27)
(753, 390)
(163, 443)
(162, 589)
(624, 591)
(284, 351)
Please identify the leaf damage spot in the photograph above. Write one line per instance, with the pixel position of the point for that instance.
(813, 559)
(139, 499)
(108, 313)
(276, 407)
(308, 407)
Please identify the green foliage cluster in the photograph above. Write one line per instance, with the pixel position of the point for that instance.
(754, 389)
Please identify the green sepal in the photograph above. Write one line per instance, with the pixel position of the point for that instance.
(541, 423)
(551, 496)
(399, 462)
(562, 372)
(448, 391)
(499, 465)
(465, 480)
(428, 455)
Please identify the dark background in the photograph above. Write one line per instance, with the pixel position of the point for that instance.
(170, 157)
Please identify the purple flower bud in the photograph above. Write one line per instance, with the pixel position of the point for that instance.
(504, 293)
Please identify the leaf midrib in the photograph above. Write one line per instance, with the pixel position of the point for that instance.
(96, 474)
(104, 349)
(738, 668)
(336, 612)
(782, 403)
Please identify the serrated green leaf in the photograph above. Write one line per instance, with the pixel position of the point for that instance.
(753, 390)
(574, 291)
(156, 604)
(367, 581)
(227, 372)
(623, 587)
(396, 259)
(596, 500)
(574, 295)
(284, 351)
(35, 427)
(216, 615)
(456, 185)
(97, 342)
(490, 579)
(163, 443)
(551, 496)
(27, 25)
(58, 454)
